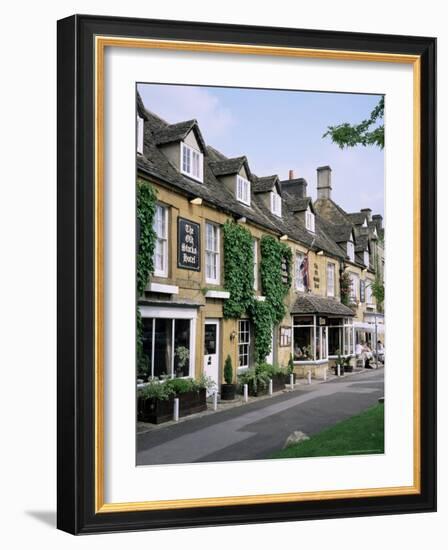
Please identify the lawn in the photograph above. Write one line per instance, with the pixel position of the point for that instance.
(360, 434)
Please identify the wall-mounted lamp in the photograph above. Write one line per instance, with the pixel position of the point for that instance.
(241, 220)
(284, 238)
(320, 252)
(233, 335)
(197, 201)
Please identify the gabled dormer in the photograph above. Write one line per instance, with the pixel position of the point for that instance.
(185, 148)
(303, 211)
(235, 174)
(268, 188)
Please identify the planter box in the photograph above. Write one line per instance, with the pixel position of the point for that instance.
(228, 392)
(157, 411)
(278, 384)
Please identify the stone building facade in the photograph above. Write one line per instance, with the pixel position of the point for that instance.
(198, 190)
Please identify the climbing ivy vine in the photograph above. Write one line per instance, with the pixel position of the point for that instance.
(273, 254)
(238, 269)
(239, 281)
(146, 207)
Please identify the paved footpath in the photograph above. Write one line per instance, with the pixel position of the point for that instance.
(256, 430)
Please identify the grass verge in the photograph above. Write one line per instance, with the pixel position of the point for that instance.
(360, 434)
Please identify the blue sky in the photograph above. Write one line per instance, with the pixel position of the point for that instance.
(279, 131)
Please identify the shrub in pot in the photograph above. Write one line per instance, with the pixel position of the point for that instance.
(340, 362)
(228, 390)
(348, 367)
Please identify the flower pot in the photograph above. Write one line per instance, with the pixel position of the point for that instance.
(228, 392)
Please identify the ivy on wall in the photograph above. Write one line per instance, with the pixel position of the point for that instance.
(239, 281)
(238, 270)
(146, 207)
(345, 284)
(273, 254)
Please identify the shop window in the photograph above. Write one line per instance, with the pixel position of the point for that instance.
(167, 345)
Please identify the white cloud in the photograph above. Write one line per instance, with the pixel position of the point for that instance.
(177, 103)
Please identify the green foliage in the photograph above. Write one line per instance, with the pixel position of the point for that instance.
(238, 269)
(377, 287)
(155, 389)
(146, 207)
(273, 253)
(228, 370)
(345, 286)
(257, 378)
(350, 135)
(261, 316)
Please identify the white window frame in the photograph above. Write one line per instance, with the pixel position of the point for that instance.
(276, 204)
(354, 287)
(246, 323)
(193, 156)
(255, 249)
(299, 286)
(366, 258)
(351, 250)
(162, 240)
(331, 268)
(368, 291)
(173, 313)
(213, 253)
(140, 134)
(243, 190)
(309, 220)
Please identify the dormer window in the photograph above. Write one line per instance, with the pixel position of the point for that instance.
(191, 162)
(243, 190)
(309, 220)
(276, 204)
(140, 127)
(351, 250)
(366, 258)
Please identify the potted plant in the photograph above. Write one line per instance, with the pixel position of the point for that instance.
(340, 363)
(183, 355)
(348, 367)
(228, 390)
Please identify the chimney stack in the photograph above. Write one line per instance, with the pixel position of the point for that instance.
(324, 182)
(378, 219)
(368, 212)
(295, 187)
(291, 174)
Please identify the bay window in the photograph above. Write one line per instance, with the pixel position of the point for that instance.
(160, 226)
(167, 346)
(191, 162)
(310, 338)
(340, 336)
(212, 255)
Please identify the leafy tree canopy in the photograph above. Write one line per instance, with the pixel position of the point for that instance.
(368, 132)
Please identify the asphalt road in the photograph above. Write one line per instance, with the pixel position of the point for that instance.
(255, 430)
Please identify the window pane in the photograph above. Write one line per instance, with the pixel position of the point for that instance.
(210, 340)
(146, 369)
(303, 343)
(163, 347)
(181, 347)
(334, 340)
(303, 320)
(323, 343)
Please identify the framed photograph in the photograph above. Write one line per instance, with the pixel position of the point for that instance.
(246, 274)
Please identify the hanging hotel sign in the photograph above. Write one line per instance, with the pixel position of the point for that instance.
(362, 291)
(188, 245)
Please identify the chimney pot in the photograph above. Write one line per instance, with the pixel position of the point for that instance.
(368, 212)
(291, 174)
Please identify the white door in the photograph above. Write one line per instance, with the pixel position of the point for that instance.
(211, 351)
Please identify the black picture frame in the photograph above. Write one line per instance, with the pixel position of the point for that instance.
(76, 275)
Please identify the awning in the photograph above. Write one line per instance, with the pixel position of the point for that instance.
(310, 304)
(370, 327)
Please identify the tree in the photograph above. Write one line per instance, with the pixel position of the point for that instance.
(350, 135)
